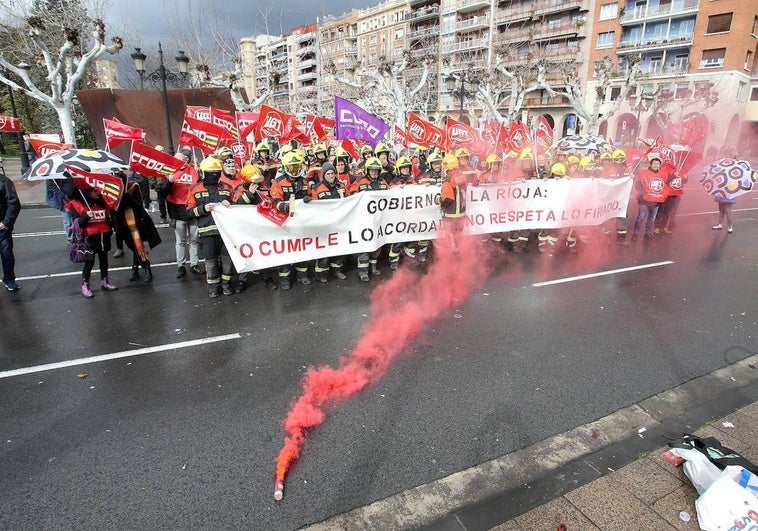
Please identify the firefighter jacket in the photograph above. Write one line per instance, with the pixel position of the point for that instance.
(201, 195)
(285, 186)
(364, 183)
(329, 191)
(400, 180)
(453, 195)
(268, 168)
(429, 177)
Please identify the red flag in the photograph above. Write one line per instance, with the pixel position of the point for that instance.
(246, 123)
(544, 134)
(198, 113)
(45, 147)
(400, 137)
(110, 186)
(267, 208)
(203, 135)
(497, 136)
(693, 133)
(150, 162)
(9, 124)
(423, 133)
(226, 120)
(518, 136)
(116, 132)
(271, 122)
(314, 128)
(462, 135)
(349, 146)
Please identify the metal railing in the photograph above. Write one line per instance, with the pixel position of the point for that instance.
(648, 11)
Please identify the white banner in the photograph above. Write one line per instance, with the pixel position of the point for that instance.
(366, 221)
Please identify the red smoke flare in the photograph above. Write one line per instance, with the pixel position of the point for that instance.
(401, 308)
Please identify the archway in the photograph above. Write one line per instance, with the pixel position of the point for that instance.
(571, 125)
(626, 129)
(733, 132)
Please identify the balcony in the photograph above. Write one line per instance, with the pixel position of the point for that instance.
(307, 63)
(565, 29)
(470, 44)
(424, 13)
(477, 64)
(467, 6)
(310, 48)
(657, 43)
(558, 101)
(472, 24)
(650, 13)
(426, 31)
(514, 14)
(307, 76)
(514, 35)
(544, 7)
(432, 49)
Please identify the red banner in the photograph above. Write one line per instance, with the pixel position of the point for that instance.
(518, 136)
(462, 135)
(203, 135)
(110, 186)
(543, 135)
(349, 146)
(198, 113)
(116, 133)
(9, 124)
(271, 122)
(400, 137)
(314, 128)
(423, 133)
(226, 120)
(246, 123)
(150, 162)
(497, 136)
(45, 147)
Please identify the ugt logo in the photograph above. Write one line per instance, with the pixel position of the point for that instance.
(273, 125)
(460, 135)
(416, 131)
(347, 117)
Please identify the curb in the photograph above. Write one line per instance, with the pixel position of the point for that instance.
(496, 491)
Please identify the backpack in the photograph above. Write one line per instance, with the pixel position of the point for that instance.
(80, 249)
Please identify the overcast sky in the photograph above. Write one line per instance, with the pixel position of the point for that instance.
(148, 18)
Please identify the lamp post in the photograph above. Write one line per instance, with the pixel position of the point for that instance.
(163, 75)
(21, 144)
(640, 102)
(461, 92)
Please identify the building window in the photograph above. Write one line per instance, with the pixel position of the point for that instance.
(681, 62)
(399, 33)
(741, 90)
(609, 11)
(719, 23)
(748, 60)
(554, 22)
(754, 93)
(615, 93)
(605, 40)
(713, 58)
(682, 91)
(755, 26)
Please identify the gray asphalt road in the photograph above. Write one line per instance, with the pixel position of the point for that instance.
(186, 438)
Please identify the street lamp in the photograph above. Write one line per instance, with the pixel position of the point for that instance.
(161, 74)
(461, 92)
(21, 145)
(640, 102)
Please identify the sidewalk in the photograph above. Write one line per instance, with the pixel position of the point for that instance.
(650, 493)
(31, 193)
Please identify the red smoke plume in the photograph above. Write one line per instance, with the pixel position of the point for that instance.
(400, 309)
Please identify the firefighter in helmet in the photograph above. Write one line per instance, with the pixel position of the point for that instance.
(373, 180)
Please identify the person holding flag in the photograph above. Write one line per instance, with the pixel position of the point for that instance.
(651, 187)
(94, 217)
(185, 228)
(135, 227)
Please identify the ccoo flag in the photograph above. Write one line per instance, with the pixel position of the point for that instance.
(355, 123)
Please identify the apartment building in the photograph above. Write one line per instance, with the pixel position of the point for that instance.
(264, 59)
(303, 60)
(689, 50)
(422, 41)
(338, 38)
(382, 32)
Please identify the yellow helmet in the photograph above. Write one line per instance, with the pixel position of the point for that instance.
(366, 150)
(605, 156)
(558, 169)
(292, 163)
(286, 148)
(462, 152)
(403, 162)
(251, 174)
(263, 146)
(342, 153)
(587, 163)
(381, 147)
(373, 163)
(619, 155)
(319, 148)
(493, 157)
(526, 154)
(210, 165)
(224, 153)
(434, 157)
(572, 159)
(449, 162)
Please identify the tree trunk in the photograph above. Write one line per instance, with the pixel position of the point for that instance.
(66, 122)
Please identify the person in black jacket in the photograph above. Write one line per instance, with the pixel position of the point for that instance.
(136, 228)
(10, 206)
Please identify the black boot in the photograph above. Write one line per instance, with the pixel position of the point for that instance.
(148, 273)
(135, 274)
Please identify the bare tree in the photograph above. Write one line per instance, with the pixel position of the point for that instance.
(605, 72)
(54, 39)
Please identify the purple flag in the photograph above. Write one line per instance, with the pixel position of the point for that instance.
(355, 123)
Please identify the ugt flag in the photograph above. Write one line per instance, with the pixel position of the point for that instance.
(356, 123)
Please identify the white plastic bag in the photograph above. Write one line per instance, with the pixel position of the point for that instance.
(701, 472)
(730, 502)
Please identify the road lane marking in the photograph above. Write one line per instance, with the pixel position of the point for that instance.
(34, 234)
(117, 355)
(73, 273)
(601, 274)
